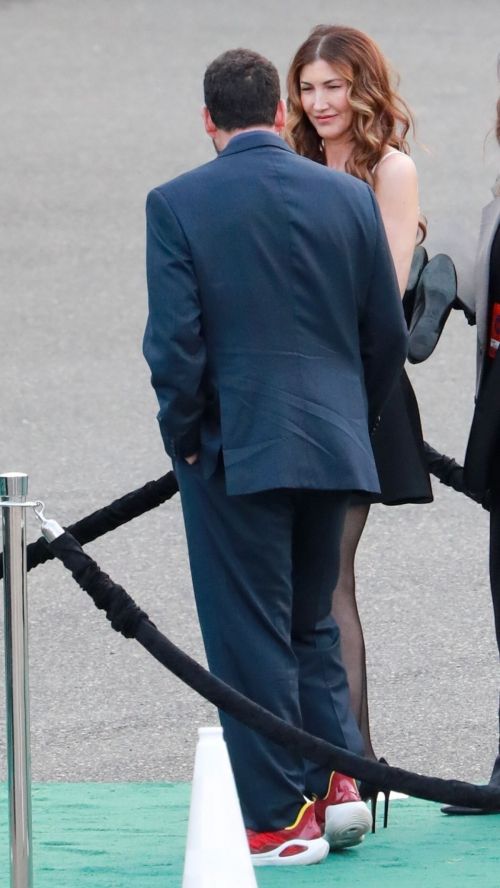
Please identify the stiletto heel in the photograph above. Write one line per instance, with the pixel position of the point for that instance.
(368, 791)
(374, 810)
(387, 796)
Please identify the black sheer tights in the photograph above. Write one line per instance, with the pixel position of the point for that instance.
(345, 612)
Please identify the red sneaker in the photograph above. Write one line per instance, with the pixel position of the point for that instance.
(342, 815)
(300, 843)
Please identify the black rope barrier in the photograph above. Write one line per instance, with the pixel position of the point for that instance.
(451, 474)
(155, 493)
(102, 521)
(126, 617)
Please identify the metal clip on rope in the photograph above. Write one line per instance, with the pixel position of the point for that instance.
(50, 528)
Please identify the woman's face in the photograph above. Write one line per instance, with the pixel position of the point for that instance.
(323, 93)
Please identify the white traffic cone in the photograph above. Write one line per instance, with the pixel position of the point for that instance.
(217, 852)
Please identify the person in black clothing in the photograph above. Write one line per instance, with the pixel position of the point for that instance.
(482, 460)
(334, 73)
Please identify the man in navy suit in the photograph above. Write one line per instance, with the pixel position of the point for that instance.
(275, 334)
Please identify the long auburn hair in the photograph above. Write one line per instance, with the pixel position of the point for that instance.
(381, 117)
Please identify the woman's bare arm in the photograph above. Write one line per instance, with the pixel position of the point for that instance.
(396, 188)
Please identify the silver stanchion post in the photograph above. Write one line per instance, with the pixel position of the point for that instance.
(13, 492)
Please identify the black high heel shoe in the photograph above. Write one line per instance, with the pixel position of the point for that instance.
(419, 261)
(369, 792)
(436, 293)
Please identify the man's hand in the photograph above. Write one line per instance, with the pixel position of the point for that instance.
(191, 459)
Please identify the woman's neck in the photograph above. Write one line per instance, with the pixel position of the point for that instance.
(337, 153)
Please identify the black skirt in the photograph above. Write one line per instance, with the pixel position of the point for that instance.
(398, 447)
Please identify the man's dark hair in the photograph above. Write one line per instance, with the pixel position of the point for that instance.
(242, 89)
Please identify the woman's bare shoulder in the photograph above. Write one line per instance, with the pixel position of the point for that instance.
(396, 167)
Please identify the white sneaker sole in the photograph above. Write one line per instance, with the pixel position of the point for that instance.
(347, 824)
(314, 851)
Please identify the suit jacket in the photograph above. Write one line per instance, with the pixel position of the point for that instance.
(483, 448)
(275, 327)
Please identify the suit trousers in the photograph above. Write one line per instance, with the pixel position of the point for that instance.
(495, 590)
(264, 566)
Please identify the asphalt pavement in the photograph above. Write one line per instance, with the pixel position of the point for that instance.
(100, 102)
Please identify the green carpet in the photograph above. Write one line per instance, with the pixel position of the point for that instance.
(131, 835)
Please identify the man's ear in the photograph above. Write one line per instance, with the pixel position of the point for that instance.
(210, 127)
(280, 119)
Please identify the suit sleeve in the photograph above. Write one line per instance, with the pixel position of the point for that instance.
(383, 330)
(173, 343)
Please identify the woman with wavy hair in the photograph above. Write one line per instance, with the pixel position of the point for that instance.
(344, 112)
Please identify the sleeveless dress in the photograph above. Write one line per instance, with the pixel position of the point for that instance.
(398, 446)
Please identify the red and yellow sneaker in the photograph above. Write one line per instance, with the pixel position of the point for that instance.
(342, 815)
(300, 843)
